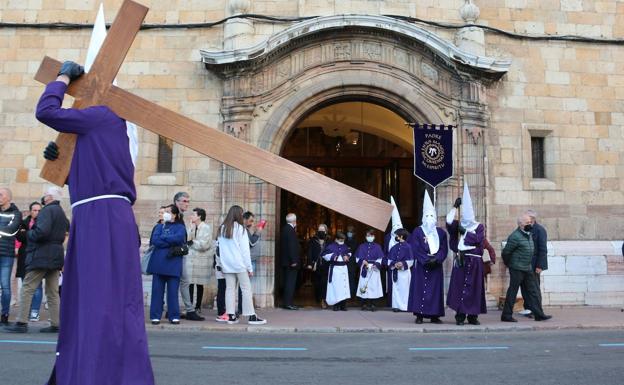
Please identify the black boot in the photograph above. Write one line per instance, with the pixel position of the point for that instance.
(4, 319)
(419, 319)
(473, 320)
(459, 319)
(18, 327)
(436, 320)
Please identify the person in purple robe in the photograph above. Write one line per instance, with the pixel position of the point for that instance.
(337, 255)
(430, 246)
(369, 256)
(399, 262)
(102, 338)
(466, 294)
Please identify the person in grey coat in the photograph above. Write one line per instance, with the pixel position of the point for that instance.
(44, 260)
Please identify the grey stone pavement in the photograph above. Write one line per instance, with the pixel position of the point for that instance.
(312, 320)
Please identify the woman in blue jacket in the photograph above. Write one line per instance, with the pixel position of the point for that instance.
(165, 267)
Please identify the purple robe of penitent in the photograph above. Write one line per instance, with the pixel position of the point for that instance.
(102, 339)
(466, 294)
(427, 284)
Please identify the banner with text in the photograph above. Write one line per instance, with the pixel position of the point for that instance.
(433, 153)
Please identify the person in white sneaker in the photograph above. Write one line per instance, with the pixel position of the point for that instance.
(236, 265)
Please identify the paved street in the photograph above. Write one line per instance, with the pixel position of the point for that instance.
(198, 358)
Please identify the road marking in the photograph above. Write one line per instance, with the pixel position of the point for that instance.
(28, 342)
(611, 345)
(253, 348)
(461, 348)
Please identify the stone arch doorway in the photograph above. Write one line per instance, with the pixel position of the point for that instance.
(272, 86)
(362, 142)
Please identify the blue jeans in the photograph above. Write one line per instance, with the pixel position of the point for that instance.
(6, 267)
(36, 300)
(172, 285)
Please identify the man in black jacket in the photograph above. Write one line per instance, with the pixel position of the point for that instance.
(44, 260)
(10, 221)
(289, 257)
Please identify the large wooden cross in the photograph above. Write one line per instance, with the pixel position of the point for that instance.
(96, 88)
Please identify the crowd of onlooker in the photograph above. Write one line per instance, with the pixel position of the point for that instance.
(35, 240)
(180, 260)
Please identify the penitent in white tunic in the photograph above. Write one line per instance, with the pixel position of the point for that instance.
(338, 289)
(400, 288)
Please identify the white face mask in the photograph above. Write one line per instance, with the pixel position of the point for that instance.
(167, 217)
(340, 242)
(370, 238)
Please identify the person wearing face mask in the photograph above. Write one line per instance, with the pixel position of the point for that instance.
(517, 255)
(369, 257)
(430, 247)
(316, 246)
(539, 262)
(400, 261)
(165, 267)
(338, 290)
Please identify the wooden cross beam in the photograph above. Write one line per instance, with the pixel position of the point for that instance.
(96, 88)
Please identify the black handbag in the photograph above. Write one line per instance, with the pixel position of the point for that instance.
(178, 251)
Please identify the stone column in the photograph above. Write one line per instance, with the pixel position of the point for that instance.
(237, 33)
(470, 39)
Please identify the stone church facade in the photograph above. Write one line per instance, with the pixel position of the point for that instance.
(257, 79)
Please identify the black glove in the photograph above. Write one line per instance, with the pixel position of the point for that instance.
(51, 151)
(457, 203)
(71, 69)
(461, 229)
(189, 243)
(432, 263)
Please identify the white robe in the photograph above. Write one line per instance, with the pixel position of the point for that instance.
(401, 288)
(338, 289)
(370, 287)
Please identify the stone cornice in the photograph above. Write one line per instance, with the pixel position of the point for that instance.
(442, 47)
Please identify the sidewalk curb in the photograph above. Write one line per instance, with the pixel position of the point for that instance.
(372, 330)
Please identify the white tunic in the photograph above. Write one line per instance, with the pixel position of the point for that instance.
(370, 287)
(401, 288)
(338, 289)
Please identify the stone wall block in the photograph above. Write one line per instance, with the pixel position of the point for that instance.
(586, 265)
(605, 283)
(565, 284)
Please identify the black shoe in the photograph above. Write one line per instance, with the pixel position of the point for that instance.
(192, 316)
(508, 319)
(419, 320)
(50, 329)
(372, 308)
(291, 307)
(182, 316)
(336, 308)
(232, 319)
(436, 320)
(395, 310)
(155, 322)
(474, 321)
(254, 320)
(459, 323)
(4, 319)
(18, 327)
(543, 318)
(175, 321)
(364, 308)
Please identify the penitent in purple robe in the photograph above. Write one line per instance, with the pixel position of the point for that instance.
(427, 286)
(466, 294)
(102, 339)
